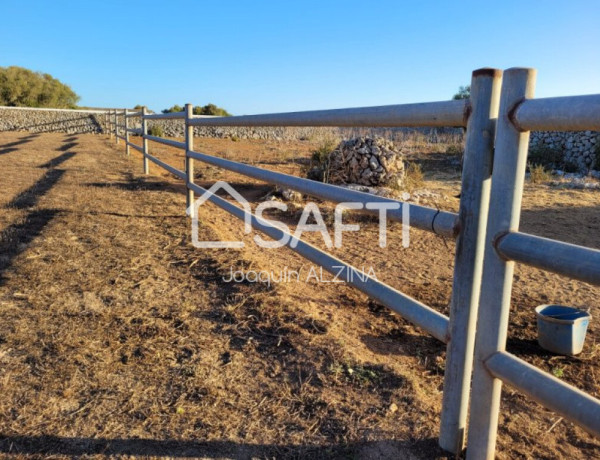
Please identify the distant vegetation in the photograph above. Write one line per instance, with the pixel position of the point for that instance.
(464, 92)
(208, 109)
(155, 130)
(175, 108)
(21, 87)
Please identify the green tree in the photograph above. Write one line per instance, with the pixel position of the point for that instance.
(20, 87)
(464, 92)
(211, 109)
(208, 109)
(175, 108)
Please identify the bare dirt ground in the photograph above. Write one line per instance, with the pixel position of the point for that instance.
(117, 337)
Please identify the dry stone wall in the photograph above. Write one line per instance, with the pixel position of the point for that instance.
(89, 121)
(175, 128)
(580, 147)
(51, 120)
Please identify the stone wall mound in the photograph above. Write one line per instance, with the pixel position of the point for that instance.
(366, 161)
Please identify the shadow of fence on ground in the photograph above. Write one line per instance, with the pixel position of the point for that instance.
(12, 146)
(67, 146)
(75, 447)
(8, 150)
(29, 198)
(16, 237)
(54, 162)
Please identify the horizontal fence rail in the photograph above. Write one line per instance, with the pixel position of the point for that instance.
(162, 140)
(135, 146)
(419, 314)
(568, 401)
(440, 222)
(486, 232)
(446, 113)
(578, 262)
(164, 116)
(166, 166)
(558, 113)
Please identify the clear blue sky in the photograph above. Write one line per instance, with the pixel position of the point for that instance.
(262, 56)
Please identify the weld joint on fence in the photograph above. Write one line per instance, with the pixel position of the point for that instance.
(487, 367)
(512, 115)
(456, 228)
(496, 240)
(467, 112)
(448, 335)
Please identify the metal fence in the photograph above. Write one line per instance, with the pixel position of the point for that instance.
(499, 110)
(505, 245)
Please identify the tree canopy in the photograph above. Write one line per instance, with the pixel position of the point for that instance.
(20, 87)
(464, 92)
(175, 108)
(208, 109)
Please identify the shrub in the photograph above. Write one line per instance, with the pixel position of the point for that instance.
(570, 167)
(211, 109)
(413, 177)
(319, 161)
(550, 157)
(320, 156)
(21, 87)
(538, 174)
(208, 109)
(454, 149)
(175, 108)
(155, 130)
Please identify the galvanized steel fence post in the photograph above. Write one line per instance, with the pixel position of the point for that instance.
(189, 161)
(126, 131)
(472, 220)
(510, 161)
(144, 140)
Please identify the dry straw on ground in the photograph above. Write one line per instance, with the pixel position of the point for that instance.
(117, 337)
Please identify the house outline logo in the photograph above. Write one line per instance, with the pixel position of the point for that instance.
(292, 238)
(205, 197)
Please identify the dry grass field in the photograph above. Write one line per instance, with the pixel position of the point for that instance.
(118, 337)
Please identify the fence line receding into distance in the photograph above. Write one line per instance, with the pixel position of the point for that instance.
(497, 117)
